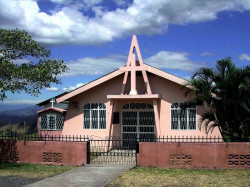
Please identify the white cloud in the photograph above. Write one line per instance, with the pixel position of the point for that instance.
(77, 2)
(52, 89)
(244, 57)
(65, 89)
(104, 65)
(70, 88)
(208, 54)
(22, 101)
(58, 1)
(173, 60)
(95, 66)
(21, 61)
(70, 24)
(120, 2)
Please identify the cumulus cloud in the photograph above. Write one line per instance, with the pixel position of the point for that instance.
(59, 1)
(77, 4)
(71, 24)
(22, 101)
(244, 57)
(173, 60)
(95, 66)
(52, 89)
(120, 2)
(65, 89)
(103, 65)
(70, 88)
(208, 54)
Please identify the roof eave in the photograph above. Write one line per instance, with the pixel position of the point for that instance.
(51, 108)
(89, 85)
(109, 76)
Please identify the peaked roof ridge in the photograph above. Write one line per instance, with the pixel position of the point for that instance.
(116, 73)
(130, 66)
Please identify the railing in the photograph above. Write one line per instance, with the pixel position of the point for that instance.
(63, 138)
(83, 138)
(191, 139)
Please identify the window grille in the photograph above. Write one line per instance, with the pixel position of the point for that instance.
(137, 106)
(138, 122)
(52, 121)
(183, 119)
(94, 116)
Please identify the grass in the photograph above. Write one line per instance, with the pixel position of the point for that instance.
(32, 170)
(143, 176)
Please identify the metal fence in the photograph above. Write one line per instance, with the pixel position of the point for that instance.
(194, 139)
(129, 142)
(37, 137)
(188, 139)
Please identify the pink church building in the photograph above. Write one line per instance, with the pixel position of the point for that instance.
(134, 101)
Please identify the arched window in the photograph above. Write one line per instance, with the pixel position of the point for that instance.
(94, 116)
(52, 121)
(183, 119)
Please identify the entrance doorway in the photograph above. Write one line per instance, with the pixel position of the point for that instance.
(138, 123)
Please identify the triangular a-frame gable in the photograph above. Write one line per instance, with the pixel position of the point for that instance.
(132, 66)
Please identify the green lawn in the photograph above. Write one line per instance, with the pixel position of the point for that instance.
(143, 176)
(32, 170)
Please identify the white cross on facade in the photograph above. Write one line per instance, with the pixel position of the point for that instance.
(52, 102)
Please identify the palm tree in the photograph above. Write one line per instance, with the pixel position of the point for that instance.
(224, 91)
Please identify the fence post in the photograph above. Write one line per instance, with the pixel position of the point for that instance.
(88, 152)
(137, 146)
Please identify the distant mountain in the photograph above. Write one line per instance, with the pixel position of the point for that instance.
(19, 115)
(28, 111)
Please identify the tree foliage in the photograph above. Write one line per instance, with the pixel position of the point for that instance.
(225, 93)
(36, 72)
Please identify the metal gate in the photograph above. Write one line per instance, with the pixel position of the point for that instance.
(138, 122)
(112, 152)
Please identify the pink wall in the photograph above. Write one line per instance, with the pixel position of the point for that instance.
(41, 152)
(73, 124)
(194, 155)
(169, 91)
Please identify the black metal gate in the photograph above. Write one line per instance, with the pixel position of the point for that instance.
(112, 152)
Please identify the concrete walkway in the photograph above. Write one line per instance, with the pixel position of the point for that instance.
(89, 175)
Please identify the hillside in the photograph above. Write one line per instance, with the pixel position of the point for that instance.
(17, 118)
(19, 128)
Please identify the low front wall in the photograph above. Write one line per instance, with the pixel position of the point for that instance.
(43, 152)
(194, 155)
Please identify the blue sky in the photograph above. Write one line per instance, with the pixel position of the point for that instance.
(93, 37)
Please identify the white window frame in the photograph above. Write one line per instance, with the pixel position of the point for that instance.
(179, 120)
(98, 116)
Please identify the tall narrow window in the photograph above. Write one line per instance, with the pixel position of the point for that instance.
(94, 116)
(183, 119)
(52, 121)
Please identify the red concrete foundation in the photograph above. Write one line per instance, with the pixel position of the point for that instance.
(41, 152)
(194, 155)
